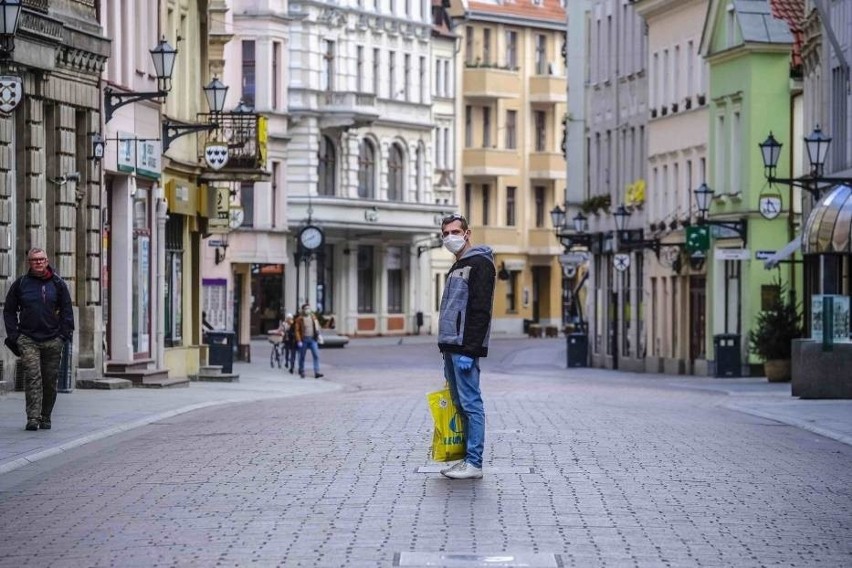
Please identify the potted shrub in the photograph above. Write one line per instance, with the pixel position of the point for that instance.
(772, 337)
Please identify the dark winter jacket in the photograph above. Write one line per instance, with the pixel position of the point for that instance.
(465, 319)
(39, 307)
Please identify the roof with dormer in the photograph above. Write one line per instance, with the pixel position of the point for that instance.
(792, 12)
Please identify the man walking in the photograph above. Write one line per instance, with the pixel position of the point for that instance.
(39, 320)
(463, 332)
(307, 335)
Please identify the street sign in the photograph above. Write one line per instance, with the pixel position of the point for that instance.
(697, 238)
(214, 243)
(764, 254)
(621, 262)
(732, 254)
(573, 258)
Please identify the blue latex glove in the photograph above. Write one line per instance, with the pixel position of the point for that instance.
(465, 363)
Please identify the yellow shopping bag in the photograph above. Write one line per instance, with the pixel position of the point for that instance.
(448, 439)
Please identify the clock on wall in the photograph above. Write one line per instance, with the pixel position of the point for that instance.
(311, 237)
(236, 216)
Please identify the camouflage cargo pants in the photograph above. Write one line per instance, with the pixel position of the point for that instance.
(41, 372)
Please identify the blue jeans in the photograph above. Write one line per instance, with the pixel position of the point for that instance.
(309, 343)
(464, 388)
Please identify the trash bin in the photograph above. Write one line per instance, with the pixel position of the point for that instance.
(726, 347)
(578, 349)
(221, 350)
(66, 384)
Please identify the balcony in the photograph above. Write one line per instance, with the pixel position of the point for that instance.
(491, 83)
(548, 89)
(491, 162)
(346, 110)
(547, 165)
(245, 135)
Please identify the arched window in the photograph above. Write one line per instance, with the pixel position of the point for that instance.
(326, 170)
(367, 170)
(396, 172)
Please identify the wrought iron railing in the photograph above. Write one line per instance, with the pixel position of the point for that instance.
(243, 132)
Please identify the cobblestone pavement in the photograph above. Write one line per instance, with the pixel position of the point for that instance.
(582, 468)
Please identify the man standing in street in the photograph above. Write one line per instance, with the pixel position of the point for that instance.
(307, 337)
(39, 320)
(463, 332)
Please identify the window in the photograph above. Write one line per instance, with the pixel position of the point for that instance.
(448, 80)
(419, 170)
(276, 72)
(395, 174)
(406, 87)
(359, 69)
(538, 194)
(512, 292)
(468, 45)
(365, 279)
(326, 173)
(511, 129)
(510, 206)
(690, 69)
(248, 72)
(276, 168)
(247, 203)
(325, 280)
(468, 126)
(512, 50)
(540, 131)
(486, 46)
(392, 75)
(367, 170)
(328, 67)
(486, 202)
(541, 54)
(174, 280)
(468, 198)
(422, 74)
(377, 61)
(447, 152)
(736, 149)
(393, 262)
(486, 127)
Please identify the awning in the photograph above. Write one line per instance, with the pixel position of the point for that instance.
(829, 228)
(784, 253)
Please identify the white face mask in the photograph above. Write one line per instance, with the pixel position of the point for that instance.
(454, 243)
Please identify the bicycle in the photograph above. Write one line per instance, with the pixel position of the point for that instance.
(277, 353)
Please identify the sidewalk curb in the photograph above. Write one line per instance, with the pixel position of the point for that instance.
(120, 428)
(803, 424)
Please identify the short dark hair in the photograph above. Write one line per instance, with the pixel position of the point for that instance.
(454, 217)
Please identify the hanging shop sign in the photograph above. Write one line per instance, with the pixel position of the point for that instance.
(770, 205)
(11, 92)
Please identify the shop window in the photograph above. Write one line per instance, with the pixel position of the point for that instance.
(174, 281)
(393, 263)
(366, 282)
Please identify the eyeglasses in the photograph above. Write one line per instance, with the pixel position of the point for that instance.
(37, 259)
(453, 217)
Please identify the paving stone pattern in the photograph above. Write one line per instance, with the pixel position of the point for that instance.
(608, 472)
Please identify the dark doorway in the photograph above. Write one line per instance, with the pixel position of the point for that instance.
(697, 319)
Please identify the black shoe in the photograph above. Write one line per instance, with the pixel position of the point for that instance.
(319, 375)
(302, 374)
(44, 423)
(32, 424)
(291, 370)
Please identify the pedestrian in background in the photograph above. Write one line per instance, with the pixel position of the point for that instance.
(39, 321)
(463, 331)
(288, 330)
(307, 337)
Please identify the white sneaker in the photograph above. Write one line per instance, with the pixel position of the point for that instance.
(462, 470)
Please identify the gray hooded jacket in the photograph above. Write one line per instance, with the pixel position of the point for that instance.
(465, 319)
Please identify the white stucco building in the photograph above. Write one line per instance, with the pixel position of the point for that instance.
(360, 162)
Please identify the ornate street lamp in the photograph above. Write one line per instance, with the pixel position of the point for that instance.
(10, 12)
(817, 145)
(703, 197)
(215, 92)
(163, 56)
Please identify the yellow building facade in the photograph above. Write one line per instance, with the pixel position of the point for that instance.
(512, 73)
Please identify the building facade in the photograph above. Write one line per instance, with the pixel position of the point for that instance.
(513, 86)
(50, 186)
(361, 162)
(616, 116)
(677, 131)
(251, 268)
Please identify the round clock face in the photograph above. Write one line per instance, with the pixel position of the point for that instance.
(311, 237)
(236, 217)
